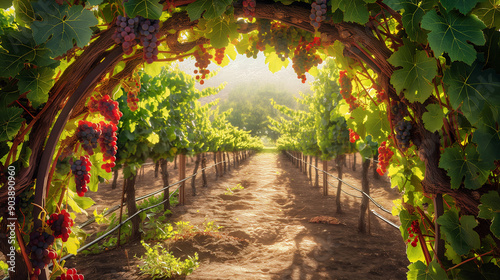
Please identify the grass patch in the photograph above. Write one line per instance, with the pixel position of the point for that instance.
(272, 150)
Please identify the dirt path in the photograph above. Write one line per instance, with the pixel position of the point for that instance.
(269, 235)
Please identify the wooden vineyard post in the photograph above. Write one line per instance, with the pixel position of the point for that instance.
(182, 176)
(220, 166)
(310, 167)
(325, 178)
(203, 173)
(316, 184)
(364, 201)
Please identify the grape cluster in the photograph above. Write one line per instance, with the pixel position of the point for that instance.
(403, 134)
(132, 86)
(249, 8)
(71, 274)
(125, 33)
(88, 133)
(384, 156)
(81, 169)
(353, 136)
(413, 231)
(258, 43)
(149, 38)
(61, 225)
(219, 55)
(107, 143)
(381, 96)
(280, 41)
(346, 90)
(305, 58)
(40, 251)
(398, 111)
(202, 61)
(109, 109)
(318, 13)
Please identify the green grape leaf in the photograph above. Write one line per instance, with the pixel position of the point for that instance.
(464, 6)
(38, 82)
(94, 2)
(150, 9)
(5, 4)
(209, 8)
(354, 10)
(459, 232)
(222, 32)
(433, 118)
(490, 209)
(489, 12)
(24, 12)
(451, 32)
(275, 62)
(414, 10)
(420, 271)
(416, 74)
(10, 123)
(66, 25)
(487, 137)
(465, 163)
(472, 88)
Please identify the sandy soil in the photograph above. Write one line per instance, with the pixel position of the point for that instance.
(266, 231)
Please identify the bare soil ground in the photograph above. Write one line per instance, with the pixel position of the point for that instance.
(266, 231)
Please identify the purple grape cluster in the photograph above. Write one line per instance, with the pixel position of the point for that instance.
(39, 250)
(81, 169)
(125, 33)
(318, 13)
(148, 34)
(88, 133)
(249, 8)
(403, 134)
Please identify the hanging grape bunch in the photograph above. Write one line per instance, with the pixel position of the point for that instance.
(88, 133)
(202, 61)
(318, 13)
(280, 42)
(70, 274)
(128, 30)
(81, 169)
(346, 90)
(403, 134)
(109, 109)
(107, 142)
(249, 8)
(219, 55)
(353, 136)
(398, 111)
(305, 58)
(40, 251)
(61, 225)
(132, 86)
(384, 156)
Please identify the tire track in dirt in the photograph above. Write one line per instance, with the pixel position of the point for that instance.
(272, 214)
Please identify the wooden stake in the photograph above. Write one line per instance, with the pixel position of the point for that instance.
(325, 178)
(182, 176)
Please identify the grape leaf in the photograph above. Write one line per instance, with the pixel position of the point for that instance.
(24, 12)
(94, 2)
(433, 118)
(490, 209)
(459, 232)
(10, 123)
(354, 10)
(489, 12)
(419, 271)
(38, 81)
(66, 25)
(465, 163)
(209, 8)
(451, 32)
(416, 74)
(275, 62)
(464, 6)
(5, 4)
(414, 10)
(472, 88)
(150, 9)
(222, 32)
(487, 137)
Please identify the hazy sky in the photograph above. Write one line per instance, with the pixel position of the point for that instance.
(249, 71)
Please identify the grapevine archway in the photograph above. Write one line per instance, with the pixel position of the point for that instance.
(378, 40)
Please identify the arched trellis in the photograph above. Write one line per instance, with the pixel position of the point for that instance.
(99, 58)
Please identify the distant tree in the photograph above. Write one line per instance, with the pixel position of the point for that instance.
(251, 107)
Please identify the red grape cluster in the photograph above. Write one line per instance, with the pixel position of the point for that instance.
(71, 274)
(88, 133)
(81, 169)
(381, 96)
(346, 90)
(219, 55)
(403, 134)
(249, 8)
(318, 13)
(108, 145)
(353, 136)
(384, 156)
(202, 61)
(125, 33)
(109, 109)
(305, 58)
(149, 38)
(413, 231)
(133, 86)
(40, 251)
(61, 225)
